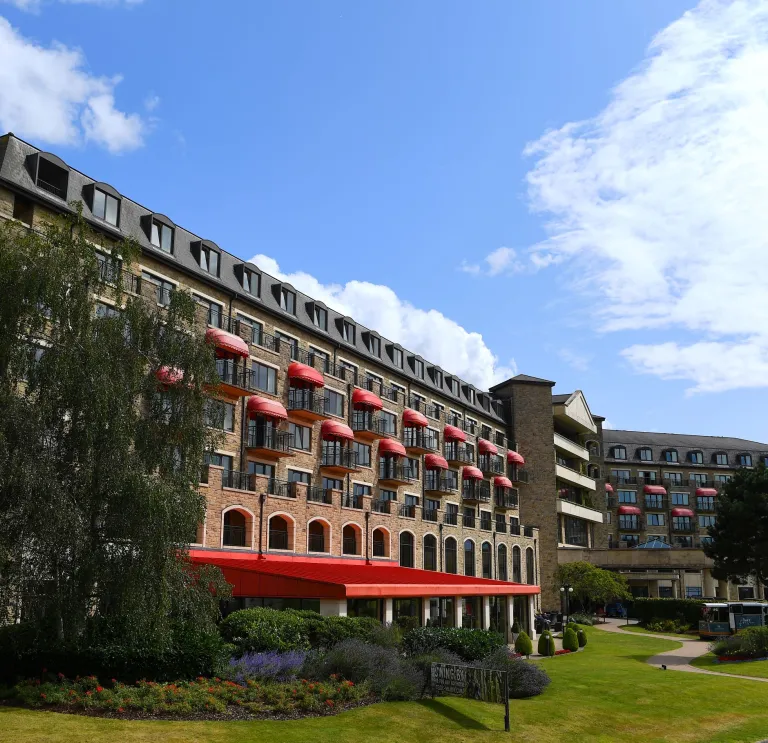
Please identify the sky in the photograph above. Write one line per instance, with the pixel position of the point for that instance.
(574, 191)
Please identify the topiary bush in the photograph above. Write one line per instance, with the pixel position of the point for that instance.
(260, 630)
(516, 627)
(572, 625)
(525, 679)
(469, 644)
(570, 640)
(524, 644)
(546, 644)
(581, 635)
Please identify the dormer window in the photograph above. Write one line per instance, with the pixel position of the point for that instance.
(374, 345)
(453, 385)
(251, 282)
(106, 207)
(51, 174)
(320, 318)
(208, 258)
(645, 454)
(418, 368)
(744, 460)
(397, 357)
(348, 331)
(437, 377)
(161, 235)
(696, 457)
(288, 300)
(721, 458)
(470, 394)
(670, 455)
(619, 452)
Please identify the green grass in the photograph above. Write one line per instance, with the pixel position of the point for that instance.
(643, 630)
(757, 668)
(603, 695)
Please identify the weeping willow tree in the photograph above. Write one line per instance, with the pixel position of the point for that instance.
(102, 435)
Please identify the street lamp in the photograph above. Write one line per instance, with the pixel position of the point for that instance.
(566, 589)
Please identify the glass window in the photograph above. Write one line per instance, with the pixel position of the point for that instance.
(251, 283)
(620, 475)
(218, 460)
(334, 403)
(320, 358)
(627, 496)
(430, 552)
(332, 483)
(163, 288)
(388, 422)
(698, 477)
(451, 556)
(656, 519)
(387, 494)
(213, 309)
(722, 478)
(670, 455)
(209, 260)
(438, 378)
(486, 560)
(298, 476)
(374, 345)
(619, 452)
(706, 521)
(418, 367)
(696, 457)
(289, 342)
(162, 237)
(646, 455)
(437, 410)
(264, 377)
(530, 567)
(288, 301)
(220, 415)
(469, 558)
(413, 465)
(363, 454)
(721, 458)
(406, 550)
(105, 207)
(259, 468)
(348, 332)
(255, 329)
(517, 572)
(106, 310)
(647, 475)
(575, 531)
(674, 477)
(302, 436)
(321, 318)
(360, 489)
(744, 460)
(397, 357)
(679, 499)
(109, 270)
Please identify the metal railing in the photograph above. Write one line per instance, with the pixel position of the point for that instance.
(278, 539)
(630, 524)
(468, 521)
(429, 514)
(504, 499)
(515, 530)
(486, 524)
(381, 506)
(316, 543)
(343, 372)
(409, 511)
(349, 546)
(319, 495)
(684, 526)
(396, 471)
(455, 452)
(234, 536)
(342, 458)
(501, 527)
(418, 438)
(365, 420)
(656, 502)
(518, 474)
(451, 518)
(233, 374)
(705, 503)
(266, 437)
(436, 482)
(349, 500)
(491, 463)
(476, 490)
(300, 398)
(51, 188)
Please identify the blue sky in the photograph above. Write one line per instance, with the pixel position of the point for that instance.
(386, 143)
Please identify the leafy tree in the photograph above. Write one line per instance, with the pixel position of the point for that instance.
(740, 535)
(592, 585)
(99, 463)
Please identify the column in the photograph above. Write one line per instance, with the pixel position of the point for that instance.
(532, 615)
(486, 612)
(387, 611)
(424, 610)
(510, 616)
(333, 607)
(708, 583)
(457, 609)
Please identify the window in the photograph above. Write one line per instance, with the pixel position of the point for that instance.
(316, 541)
(656, 519)
(706, 521)
(576, 531)
(674, 477)
(332, 483)
(620, 475)
(469, 558)
(288, 301)
(619, 452)
(471, 395)
(679, 499)
(437, 410)
(705, 503)
(346, 371)
(109, 270)
(163, 288)
(255, 329)
(220, 415)
(501, 562)
(696, 457)
(209, 260)
(161, 236)
(485, 432)
(348, 332)
(418, 368)
(23, 209)
(321, 318)
(486, 558)
(453, 385)
(322, 356)
(363, 452)
(298, 476)
(301, 436)
(744, 460)
(430, 552)
(398, 392)
(334, 403)
(397, 357)
(105, 207)
(290, 343)
(471, 426)
(698, 477)
(387, 495)
(670, 455)
(106, 310)
(218, 460)
(451, 479)
(406, 550)
(374, 345)
(647, 475)
(722, 478)
(627, 496)
(413, 466)
(646, 455)
(213, 310)
(530, 567)
(360, 490)
(264, 377)
(251, 282)
(388, 422)
(438, 376)
(451, 558)
(517, 572)
(721, 458)
(259, 468)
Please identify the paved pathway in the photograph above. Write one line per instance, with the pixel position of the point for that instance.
(678, 659)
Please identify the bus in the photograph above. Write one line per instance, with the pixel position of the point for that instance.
(727, 618)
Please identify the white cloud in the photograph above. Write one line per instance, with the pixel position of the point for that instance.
(47, 95)
(500, 261)
(151, 102)
(436, 337)
(575, 360)
(658, 203)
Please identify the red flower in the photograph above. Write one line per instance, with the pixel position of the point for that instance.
(210, 690)
(349, 683)
(43, 695)
(120, 709)
(329, 702)
(114, 681)
(99, 688)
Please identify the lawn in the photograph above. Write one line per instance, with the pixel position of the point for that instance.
(757, 668)
(604, 694)
(643, 630)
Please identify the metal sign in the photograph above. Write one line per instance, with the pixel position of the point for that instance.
(474, 683)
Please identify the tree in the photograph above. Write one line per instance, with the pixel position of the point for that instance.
(99, 463)
(740, 535)
(591, 585)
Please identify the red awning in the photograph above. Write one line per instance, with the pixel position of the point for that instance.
(452, 433)
(390, 446)
(502, 482)
(471, 473)
(629, 511)
(365, 399)
(706, 491)
(412, 418)
(514, 458)
(336, 430)
(305, 373)
(682, 512)
(654, 490)
(306, 577)
(435, 462)
(608, 487)
(169, 375)
(227, 342)
(268, 408)
(486, 447)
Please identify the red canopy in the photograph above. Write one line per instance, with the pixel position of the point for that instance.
(169, 375)
(435, 462)
(682, 512)
(654, 490)
(514, 458)
(413, 418)
(502, 482)
(227, 342)
(390, 446)
(452, 433)
(471, 473)
(629, 511)
(305, 373)
(268, 408)
(706, 491)
(486, 447)
(365, 399)
(608, 487)
(336, 430)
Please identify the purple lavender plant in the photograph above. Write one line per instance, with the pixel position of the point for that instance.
(271, 666)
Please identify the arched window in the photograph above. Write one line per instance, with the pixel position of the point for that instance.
(318, 536)
(280, 533)
(351, 541)
(517, 574)
(236, 529)
(380, 540)
(451, 556)
(487, 560)
(501, 562)
(469, 558)
(406, 550)
(430, 552)
(530, 567)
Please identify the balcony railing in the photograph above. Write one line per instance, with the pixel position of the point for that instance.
(418, 438)
(429, 514)
(486, 524)
(684, 526)
(265, 437)
(300, 398)
(278, 540)
(528, 531)
(379, 548)
(343, 372)
(515, 530)
(233, 374)
(469, 521)
(381, 506)
(451, 518)
(238, 480)
(319, 495)
(518, 474)
(461, 424)
(705, 503)
(437, 483)
(504, 499)
(454, 452)
(396, 471)
(628, 480)
(703, 483)
(350, 546)
(656, 502)
(633, 524)
(349, 500)
(418, 404)
(342, 458)
(234, 536)
(491, 463)
(51, 188)
(409, 511)
(476, 490)
(316, 543)
(501, 527)
(364, 420)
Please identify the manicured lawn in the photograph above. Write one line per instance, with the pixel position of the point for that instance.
(753, 668)
(643, 630)
(605, 694)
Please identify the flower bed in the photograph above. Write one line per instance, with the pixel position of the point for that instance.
(737, 658)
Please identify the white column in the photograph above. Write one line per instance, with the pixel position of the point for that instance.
(532, 615)
(333, 607)
(424, 610)
(457, 609)
(510, 616)
(486, 612)
(387, 611)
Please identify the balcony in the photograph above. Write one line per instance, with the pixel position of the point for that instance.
(257, 484)
(630, 525)
(435, 482)
(306, 403)
(430, 514)
(368, 425)
(349, 500)
(476, 491)
(381, 506)
(705, 504)
(339, 460)
(407, 511)
(235, 379)
(458, 454)
(656, 503)
(491, 464)
(518, 474)
(574, 449)
(577, 510)
(573, 477)
(684, 526)
(419, 440)
(505, 499)
(269, 442)
(451, 518)
(396, 473)
(319, 495)
(460, 423)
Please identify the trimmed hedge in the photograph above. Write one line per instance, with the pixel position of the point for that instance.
(582, 637)
(546, 644)
(468, 644)
(524, 644)
(570, 640)
(685, 610)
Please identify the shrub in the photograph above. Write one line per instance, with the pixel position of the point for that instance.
(667, 625)
(573, 626)
(525, 679)
(754, 641)
(727, 646)
(261, 630)
(407, 623)
(524, 644)
(469, 644)
(387, 636)
(332, 630)
(546, 644)
(687, 611)
(516, 627)
(272, 666)
(438, 655)
(570, 641)
(581, 636)
(585, 619)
